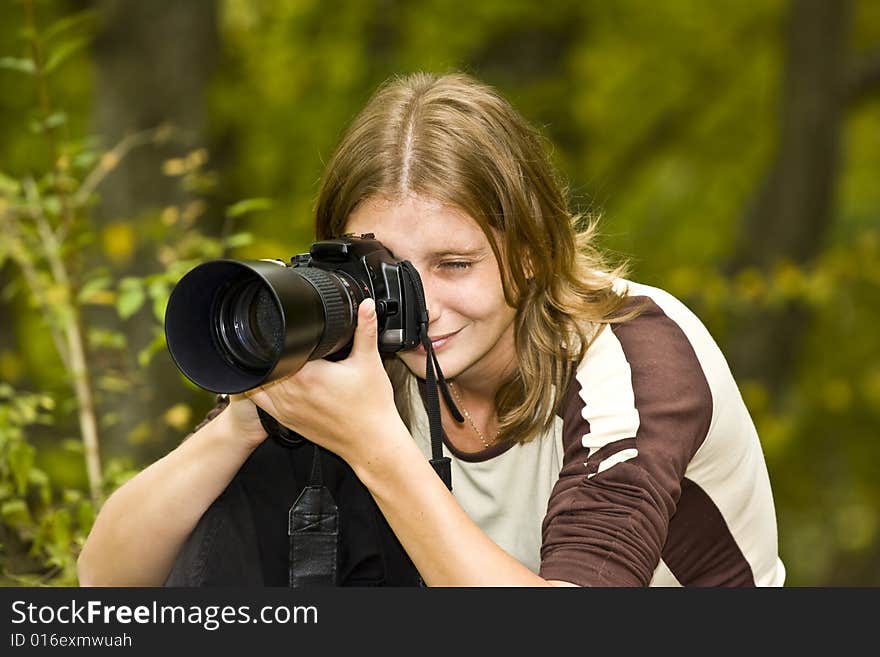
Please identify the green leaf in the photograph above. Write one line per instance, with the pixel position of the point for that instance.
(25, 409)
(85, 159)
(248, 205)
(239, 239)
(18, 64)
(92, 286)
(159, 291)
(9, 186)
(104, 339)
(72, 445)
(40, 480)
(85, 516)
(55, 120)
(63, 52)
(15, 513)
(60, 528)
(20, 458)
(69, 23)
(146, 354)
(112, 383)
(52, 204)
(108, 420)
(131, 297)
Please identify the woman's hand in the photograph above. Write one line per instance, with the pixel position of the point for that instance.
(337, 404)
(242, 421)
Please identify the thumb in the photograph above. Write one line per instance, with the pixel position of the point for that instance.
(367, 330)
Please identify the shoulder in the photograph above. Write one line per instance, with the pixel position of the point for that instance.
(649, 375)
(657, 329)
(661, 336)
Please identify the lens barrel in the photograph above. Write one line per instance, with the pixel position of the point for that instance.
(233, 325)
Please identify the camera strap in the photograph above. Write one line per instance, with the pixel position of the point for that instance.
(313, 528)
(435, 383)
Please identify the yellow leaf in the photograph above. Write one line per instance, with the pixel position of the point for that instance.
(196, 159)
(193, 211)
(789, 280)
(170, 215)
(57, 295)
(140, 434)
(11, 365)
(100, 298)
(750, 284)
(174, 167)
(118, 242)
(178, 416)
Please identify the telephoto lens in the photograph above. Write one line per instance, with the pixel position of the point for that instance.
(233, 325)
(249, 326)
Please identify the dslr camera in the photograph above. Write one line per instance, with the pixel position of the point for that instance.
(234, 325)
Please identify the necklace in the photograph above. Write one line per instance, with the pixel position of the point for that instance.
(486, 443)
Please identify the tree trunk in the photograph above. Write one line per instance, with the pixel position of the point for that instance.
(793, 211)
(154, 60)
(153, 63)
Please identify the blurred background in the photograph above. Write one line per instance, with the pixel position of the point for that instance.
(732, 149)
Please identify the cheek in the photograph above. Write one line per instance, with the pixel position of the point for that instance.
(473, 299)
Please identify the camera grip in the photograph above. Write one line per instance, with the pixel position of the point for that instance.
(282, 434)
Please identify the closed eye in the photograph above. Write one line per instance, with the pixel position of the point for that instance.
(456, 264)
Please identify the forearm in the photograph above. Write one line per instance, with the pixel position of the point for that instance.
(143, 525)
(446, 546)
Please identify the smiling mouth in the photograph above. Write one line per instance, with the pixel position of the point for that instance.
(439, 342)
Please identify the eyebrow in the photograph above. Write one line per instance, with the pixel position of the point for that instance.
(457, 252)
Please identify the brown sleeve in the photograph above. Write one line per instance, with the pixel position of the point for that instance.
(608, 528)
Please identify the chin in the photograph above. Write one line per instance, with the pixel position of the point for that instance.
(415, 363)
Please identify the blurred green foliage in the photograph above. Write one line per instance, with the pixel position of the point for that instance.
(662, 116)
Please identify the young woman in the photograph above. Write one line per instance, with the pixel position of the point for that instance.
(605, 441)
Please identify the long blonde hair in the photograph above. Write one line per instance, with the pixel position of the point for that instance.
(455, 140)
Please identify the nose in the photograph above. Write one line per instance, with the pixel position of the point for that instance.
(431, 300)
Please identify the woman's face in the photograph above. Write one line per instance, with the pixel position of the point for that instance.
(470, 324)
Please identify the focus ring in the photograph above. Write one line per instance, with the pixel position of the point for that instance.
(337, 309)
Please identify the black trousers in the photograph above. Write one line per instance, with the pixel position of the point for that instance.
(242, 539)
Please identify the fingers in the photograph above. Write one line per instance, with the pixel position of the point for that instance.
(366, 332)
(262, 399)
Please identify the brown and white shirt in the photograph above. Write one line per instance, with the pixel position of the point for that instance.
(652, 473)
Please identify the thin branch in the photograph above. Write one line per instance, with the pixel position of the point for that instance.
(49, 240)
(111, 159)
(78, 369)
(32, 278)
(46, 106)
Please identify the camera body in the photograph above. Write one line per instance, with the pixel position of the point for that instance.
(370, 270)
(233, 325)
